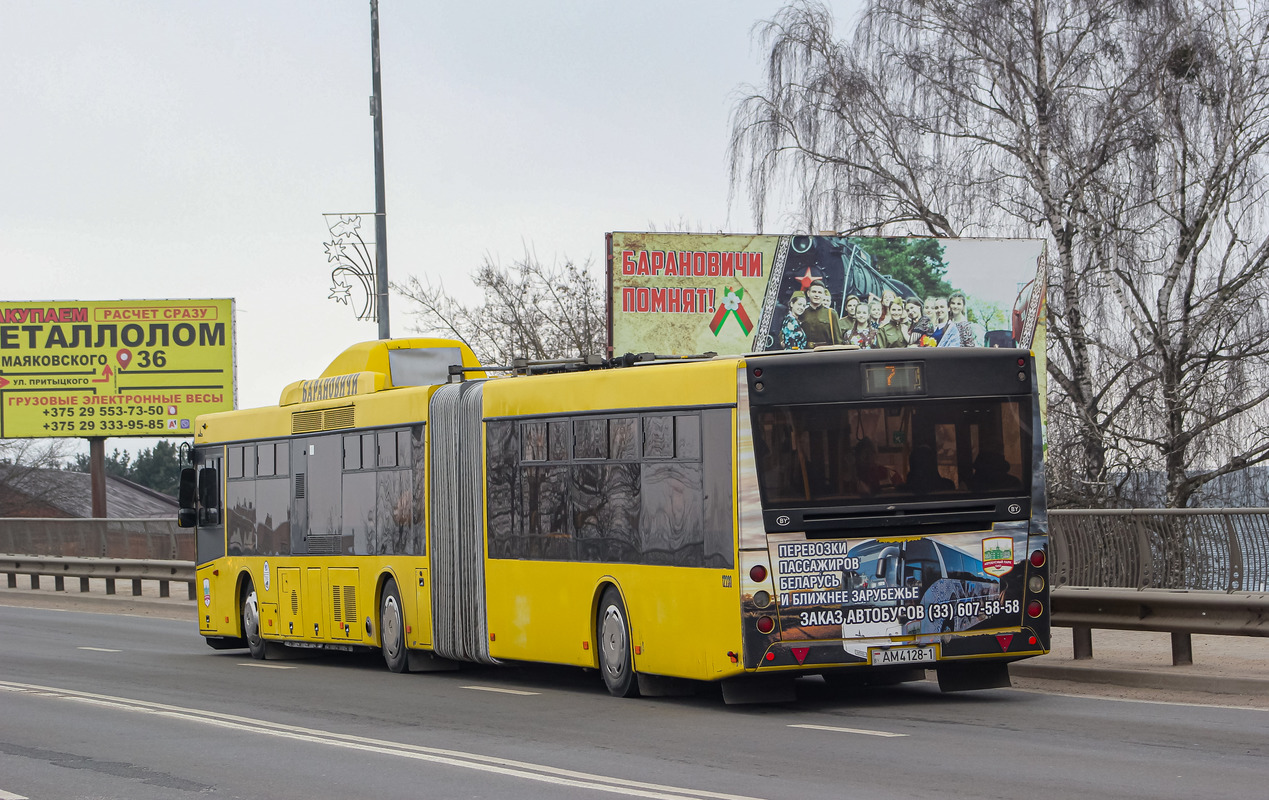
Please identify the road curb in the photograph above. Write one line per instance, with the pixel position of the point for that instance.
(1143, 678)
(101, 604)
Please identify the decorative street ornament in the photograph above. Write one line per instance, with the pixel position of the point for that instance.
(353, 257)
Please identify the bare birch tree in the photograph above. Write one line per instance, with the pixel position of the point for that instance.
(526, 310)
(22, 462)
(1080, 122)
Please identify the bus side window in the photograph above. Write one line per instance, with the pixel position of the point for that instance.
(623, 438)
(557, 441)
(658, 436)
(266, 463)
(533, 441)
(388, 449)
(687, 437)
(352, 452)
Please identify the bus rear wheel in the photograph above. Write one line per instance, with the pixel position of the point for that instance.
(251, 621)
(615, 662)
(392, 628)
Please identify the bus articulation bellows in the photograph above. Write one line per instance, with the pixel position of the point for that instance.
(743, 519)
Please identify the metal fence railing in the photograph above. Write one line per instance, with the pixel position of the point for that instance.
(97, 538)
(1216, 549)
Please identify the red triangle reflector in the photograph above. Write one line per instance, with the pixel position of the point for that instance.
(1004, 639)
(800, 653)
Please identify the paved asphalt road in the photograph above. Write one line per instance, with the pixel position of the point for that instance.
(109, 706)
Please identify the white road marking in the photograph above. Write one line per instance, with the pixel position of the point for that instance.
(10, 796)
(496, 689)
(849, 730)
(456, 758)
(266, 666)
(1140, 700)
(95, 650)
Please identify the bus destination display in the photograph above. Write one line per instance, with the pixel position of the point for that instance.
(903, 378)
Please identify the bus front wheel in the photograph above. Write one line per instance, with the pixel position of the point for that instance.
(251, 620)
(615, 662)
(392, 628)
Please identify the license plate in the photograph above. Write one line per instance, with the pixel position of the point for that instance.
(878, 656)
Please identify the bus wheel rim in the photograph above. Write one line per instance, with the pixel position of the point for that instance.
(614, 642)
(251, 618)
(391, 626)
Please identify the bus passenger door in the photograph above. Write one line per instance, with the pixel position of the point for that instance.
(421, 621)
(314, 612)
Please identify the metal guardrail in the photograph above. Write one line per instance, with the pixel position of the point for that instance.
(97, 538)
(1180, 571)
(110, 569)
(1162, 610)
(1180, 613)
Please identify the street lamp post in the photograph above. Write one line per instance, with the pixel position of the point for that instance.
(381, 223)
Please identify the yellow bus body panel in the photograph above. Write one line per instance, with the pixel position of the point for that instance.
(683, 621)
(656, 386)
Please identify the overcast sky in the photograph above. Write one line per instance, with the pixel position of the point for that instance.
(184, 150)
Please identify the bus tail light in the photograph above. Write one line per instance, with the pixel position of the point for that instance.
(762, 599)
(767, 624)
(1035, 584)
(1034, 609)
(757, 573)
(1037, 558)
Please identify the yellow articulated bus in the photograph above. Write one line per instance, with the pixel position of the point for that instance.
(859, 514)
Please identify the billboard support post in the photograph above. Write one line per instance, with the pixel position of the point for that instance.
(97, 474)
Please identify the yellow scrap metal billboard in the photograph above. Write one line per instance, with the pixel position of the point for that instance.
(114, 368)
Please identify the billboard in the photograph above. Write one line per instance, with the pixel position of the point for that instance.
(114, 368)
(682, 293)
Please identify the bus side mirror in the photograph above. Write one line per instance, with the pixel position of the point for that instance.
(208, 497)
(187, 516)
(185, 495)
(888, 557)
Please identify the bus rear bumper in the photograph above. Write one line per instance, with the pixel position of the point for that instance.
(926, 653)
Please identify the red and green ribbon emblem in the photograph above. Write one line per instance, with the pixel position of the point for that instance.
(731, 307)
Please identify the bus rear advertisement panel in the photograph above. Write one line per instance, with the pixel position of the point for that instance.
(902, 587)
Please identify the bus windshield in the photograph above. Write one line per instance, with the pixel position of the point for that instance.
(907, 451)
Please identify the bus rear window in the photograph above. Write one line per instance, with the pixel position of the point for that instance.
(908, 451)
